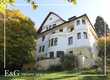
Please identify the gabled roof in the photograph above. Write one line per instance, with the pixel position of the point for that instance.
(39, 30)
(64, 22)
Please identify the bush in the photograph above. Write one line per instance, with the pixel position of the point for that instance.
(67, 61)
(55, 68)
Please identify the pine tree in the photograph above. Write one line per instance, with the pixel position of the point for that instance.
(101, 27)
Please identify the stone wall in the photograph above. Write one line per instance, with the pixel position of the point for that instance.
(44, 64)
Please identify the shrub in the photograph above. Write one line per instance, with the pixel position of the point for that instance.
(55, 68)
(67, 61)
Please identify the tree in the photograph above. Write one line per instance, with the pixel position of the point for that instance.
(101, 27)
(34, 4)
(20, 40)
(3, 4)
(72, 1)
(104, 43)
(104, 48)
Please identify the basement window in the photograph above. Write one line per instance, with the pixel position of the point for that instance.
(60, 53)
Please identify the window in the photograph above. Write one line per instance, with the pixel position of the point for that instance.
(70, 40)
(43, 38)
(52, 42)
(85, 35)
(60, 53)
(55, 41)
(46, 28)
(51, 54)
(71, 29)
(50, 26)
(49, 43)
(61, 30)
(51, 18)
(40, 49)
(71, 52)
(53, 32)
(78, 35)
(43, 47)
(83, 21)
(78, 22)
(54, 25)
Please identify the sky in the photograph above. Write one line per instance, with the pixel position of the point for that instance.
(92, 8)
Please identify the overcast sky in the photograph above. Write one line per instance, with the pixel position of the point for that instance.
(92, 8)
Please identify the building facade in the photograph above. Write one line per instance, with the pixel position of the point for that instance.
(57, 37)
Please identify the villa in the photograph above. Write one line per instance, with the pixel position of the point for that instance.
(57, 37)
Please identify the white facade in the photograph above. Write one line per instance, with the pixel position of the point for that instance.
(75, 36)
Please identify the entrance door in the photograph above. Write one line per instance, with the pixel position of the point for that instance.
(51, 54)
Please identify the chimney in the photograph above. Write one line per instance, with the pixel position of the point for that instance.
(72, 18)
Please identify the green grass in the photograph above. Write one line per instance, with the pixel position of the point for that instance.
(63, 75)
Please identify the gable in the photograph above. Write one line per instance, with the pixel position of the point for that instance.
(52, 20)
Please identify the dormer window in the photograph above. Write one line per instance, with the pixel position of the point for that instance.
(83, 21)
(78, 22)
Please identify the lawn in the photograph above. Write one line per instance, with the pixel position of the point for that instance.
(63, 75)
